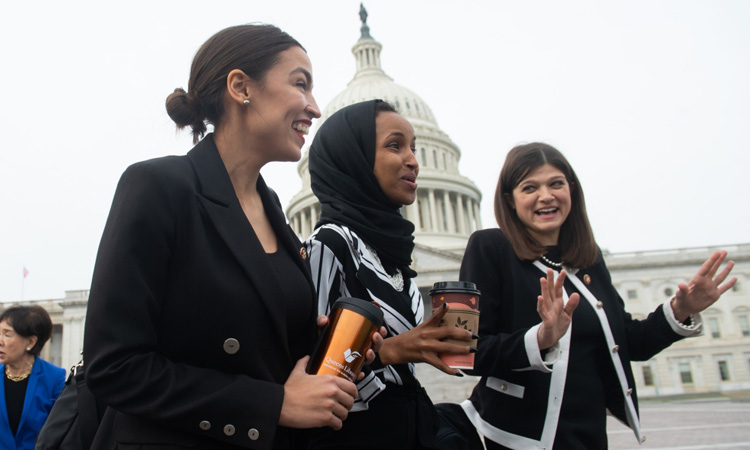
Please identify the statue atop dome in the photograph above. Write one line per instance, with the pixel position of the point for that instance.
(363, 17)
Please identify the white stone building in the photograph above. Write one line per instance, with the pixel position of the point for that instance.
(717, 361)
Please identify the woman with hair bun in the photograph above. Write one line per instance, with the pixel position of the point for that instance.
(202, 309)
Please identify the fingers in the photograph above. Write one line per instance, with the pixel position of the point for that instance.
(572, 304)
(712, 264)
(322, 321)
(540, 307)
(726, 286)
(377, 343)
(300, 366)
(559, 283)
(546, 293)
(724, 273)
(437, 316)
(448, 333)
(550, 284)
(720, 259)
(312, 401)
(347, 387)
(442, 366)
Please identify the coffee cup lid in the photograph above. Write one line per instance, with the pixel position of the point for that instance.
(464, 287)
(366, 308)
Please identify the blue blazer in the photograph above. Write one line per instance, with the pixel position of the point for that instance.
(45, 383)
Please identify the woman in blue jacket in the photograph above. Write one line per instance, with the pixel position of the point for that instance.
(31, 385)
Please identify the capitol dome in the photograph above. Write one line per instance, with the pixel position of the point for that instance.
(446, 211)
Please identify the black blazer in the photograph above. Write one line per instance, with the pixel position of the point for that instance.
(186, 334)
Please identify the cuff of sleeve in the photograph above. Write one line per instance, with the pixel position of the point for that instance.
(368, 389)
(536, 360)
(694, 326)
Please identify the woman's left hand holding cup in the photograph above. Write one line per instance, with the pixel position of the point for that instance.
(377, 342)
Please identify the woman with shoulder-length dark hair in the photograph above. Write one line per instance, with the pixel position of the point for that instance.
(202, 310)
(30, 385)
(553, 364)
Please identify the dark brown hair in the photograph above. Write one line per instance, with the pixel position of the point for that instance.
(577, 245)
(252, 48)
(30, 321)
(384, 106)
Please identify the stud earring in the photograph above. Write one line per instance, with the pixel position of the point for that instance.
(28, 349)
(246, 102)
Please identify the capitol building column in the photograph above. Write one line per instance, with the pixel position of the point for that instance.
(461, 214)
(433, 212)
(472, 216)
(449, 216)
(477, 216)
(412, 214)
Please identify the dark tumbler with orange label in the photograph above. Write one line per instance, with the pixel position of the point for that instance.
(341, 348)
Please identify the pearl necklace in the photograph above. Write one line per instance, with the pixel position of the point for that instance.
(397, 279)
(551, 263)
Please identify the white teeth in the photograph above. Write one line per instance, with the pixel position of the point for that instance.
(547, 211)
(301, 127)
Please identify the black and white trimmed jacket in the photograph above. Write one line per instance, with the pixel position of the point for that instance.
(342, 265)
(517, 402)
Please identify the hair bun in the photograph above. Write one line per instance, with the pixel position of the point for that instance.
(178, 108)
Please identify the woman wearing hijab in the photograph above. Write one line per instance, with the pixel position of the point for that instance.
(363, 170)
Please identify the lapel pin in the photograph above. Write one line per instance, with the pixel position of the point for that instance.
(303, 253)
(587, 279)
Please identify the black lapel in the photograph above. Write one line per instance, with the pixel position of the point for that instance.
(217, 196)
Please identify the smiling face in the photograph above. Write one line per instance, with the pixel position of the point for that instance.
(396, 167)
(542, 202)
(281, 106)
(12, 345)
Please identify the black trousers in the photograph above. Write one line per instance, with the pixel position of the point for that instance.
(399, 418)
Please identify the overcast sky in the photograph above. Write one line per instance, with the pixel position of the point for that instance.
(648, 99)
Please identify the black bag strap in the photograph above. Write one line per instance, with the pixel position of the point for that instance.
(89, 409)
(60, 430)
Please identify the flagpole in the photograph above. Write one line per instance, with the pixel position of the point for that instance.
(23, 280)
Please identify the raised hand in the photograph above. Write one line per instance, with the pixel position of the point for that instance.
(555, 315)
(704, 288)
(423, 344)
(312, 401)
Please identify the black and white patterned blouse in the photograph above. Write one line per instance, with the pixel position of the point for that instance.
(342, 265)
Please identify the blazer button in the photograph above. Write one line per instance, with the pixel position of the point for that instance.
(205, 425)
(231, 346)
(599, 305)
(615, 349)
(253, 434)
(229, 429)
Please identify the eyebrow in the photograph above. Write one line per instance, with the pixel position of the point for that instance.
(305, 72)
(535, 180)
